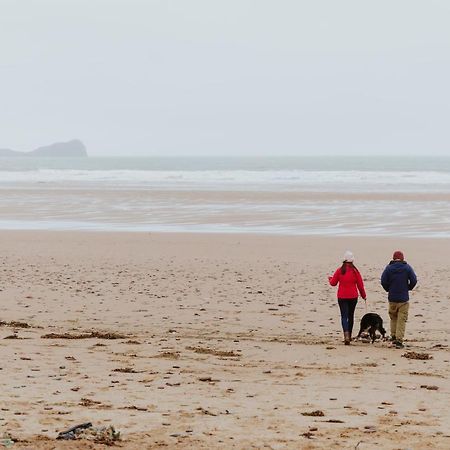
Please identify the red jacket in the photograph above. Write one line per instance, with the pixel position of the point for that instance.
(349, 283)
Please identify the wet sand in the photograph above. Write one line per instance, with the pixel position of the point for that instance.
(76, 207)
(223, 341)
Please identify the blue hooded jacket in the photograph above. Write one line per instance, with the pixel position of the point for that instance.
(398, 279)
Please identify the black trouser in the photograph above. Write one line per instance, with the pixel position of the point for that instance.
(347, 307)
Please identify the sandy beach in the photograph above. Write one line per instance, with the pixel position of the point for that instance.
(179, 181)
(215, 341)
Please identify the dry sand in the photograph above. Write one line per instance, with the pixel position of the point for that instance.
(227, 342)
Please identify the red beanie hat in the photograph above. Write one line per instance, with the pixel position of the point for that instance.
(398, 255)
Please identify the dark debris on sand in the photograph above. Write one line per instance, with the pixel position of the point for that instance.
(14, 324)
(416, 355)
(317, 413)
(89, 335)
(100, 435)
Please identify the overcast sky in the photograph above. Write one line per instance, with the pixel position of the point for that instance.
(237, 77)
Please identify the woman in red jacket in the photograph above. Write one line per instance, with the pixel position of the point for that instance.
(350, 282)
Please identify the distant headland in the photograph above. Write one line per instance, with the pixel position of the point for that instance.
(70, 149)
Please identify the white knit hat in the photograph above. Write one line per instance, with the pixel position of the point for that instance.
(348, 256)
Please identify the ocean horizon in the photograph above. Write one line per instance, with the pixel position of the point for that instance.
(258, 163)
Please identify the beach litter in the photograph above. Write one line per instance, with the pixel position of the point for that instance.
(99, 435)
(6, 441)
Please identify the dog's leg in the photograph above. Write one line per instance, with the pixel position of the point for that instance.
(372, 334)
(361, 331)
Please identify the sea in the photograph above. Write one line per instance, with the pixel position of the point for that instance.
(345, 196)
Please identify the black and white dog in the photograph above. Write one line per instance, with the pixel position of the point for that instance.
(372, 322)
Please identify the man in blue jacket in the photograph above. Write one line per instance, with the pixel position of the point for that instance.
(398, 279)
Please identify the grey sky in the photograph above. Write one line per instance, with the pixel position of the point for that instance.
(211, 77)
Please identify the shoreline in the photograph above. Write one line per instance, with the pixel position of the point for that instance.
(276, 213)
(218, 234)
(302, 214)
(16, 226)
(224, 195)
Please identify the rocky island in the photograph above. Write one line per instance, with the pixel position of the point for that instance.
(70, 149)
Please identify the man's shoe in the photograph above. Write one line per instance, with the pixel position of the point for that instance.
(393, 338)
(399, 344)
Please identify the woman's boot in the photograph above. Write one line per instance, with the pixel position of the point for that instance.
(347, 337)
